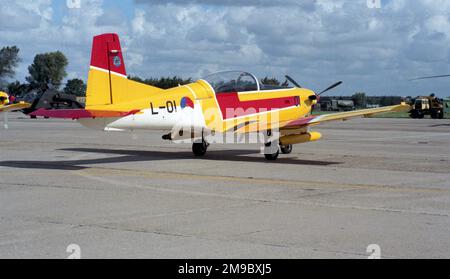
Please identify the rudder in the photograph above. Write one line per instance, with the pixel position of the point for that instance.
(107, 75)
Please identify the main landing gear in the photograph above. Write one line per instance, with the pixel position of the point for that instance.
(199, 148)
(272, 150)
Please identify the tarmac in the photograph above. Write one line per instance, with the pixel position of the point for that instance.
(132, 195)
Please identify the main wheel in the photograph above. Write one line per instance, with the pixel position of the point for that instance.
(272, 157)
(441, 114)
(286, 149)
(199, 148)
(271, 151)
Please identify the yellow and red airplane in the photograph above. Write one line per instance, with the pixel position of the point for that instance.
(230, 102)
(6, 107)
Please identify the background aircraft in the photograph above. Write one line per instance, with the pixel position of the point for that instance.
(232, 102)
(6, 107)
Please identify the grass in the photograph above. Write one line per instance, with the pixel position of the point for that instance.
(382, 115)
(392, 115)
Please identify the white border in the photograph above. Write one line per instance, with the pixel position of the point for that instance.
(107, 71)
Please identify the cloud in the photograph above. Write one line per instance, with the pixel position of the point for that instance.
(233, 3)
(316, 41)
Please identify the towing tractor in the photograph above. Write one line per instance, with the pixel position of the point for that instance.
(427, 105)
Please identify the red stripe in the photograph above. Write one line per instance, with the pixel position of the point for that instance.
(232, 107)
(81, 113)
(102, 55)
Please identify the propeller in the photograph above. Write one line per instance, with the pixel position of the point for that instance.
(292, 81)
(441, 76)
(317, 96)
(331, 87)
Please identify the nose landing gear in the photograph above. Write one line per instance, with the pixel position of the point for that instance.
(286, 149)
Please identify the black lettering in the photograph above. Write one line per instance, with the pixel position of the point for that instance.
(170, 107)
(151, 106)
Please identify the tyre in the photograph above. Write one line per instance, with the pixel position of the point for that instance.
(199, 149)
(272, 157)
(286, 149)
(434, 114)
(441, 115)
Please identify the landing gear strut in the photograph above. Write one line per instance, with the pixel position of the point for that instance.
(199, 148)
(286, 149)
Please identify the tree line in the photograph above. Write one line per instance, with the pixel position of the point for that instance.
(48, 71)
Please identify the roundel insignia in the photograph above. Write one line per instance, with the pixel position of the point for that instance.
(186, 102)
(117, 61)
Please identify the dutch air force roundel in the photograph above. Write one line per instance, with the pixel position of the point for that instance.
(117, 62)
(186, 102)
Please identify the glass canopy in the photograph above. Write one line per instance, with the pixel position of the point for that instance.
(233, 81)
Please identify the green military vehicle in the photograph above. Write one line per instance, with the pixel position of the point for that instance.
(447, 107)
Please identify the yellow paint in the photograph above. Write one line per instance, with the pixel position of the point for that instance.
(4, 98)
(301, 138)
(108, 90)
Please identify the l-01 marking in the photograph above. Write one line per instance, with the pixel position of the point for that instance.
(170, 107)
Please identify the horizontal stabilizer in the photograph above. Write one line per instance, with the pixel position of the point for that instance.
(81, 113)
(14, 107)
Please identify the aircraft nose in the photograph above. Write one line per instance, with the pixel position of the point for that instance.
(314, 98)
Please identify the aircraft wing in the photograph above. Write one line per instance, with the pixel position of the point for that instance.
(315, 120)
(318, 119)
(81, 113)
(14, 107)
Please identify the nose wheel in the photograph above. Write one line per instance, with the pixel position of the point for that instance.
(286, 149)
(199, 148)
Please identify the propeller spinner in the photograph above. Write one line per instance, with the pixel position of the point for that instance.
(316, 96)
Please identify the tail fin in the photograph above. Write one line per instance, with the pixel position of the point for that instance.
(107, 54)
(107, 74)
(108, 83)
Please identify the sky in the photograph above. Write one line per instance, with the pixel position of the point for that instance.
(373, 47)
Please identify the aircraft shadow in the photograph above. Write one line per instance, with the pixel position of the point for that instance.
(141, 156)
(440, 125)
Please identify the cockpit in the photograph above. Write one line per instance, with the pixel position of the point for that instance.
(237, 81)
